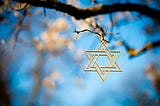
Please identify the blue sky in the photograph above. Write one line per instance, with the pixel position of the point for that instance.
(117, 90)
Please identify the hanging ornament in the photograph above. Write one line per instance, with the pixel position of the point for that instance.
(111, 55)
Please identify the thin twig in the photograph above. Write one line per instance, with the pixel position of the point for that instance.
(87, 30)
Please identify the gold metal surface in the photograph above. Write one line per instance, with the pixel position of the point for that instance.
(111, 55)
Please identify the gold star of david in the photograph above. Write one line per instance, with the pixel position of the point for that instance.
(94, 66)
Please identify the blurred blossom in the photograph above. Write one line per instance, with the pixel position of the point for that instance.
(52, 40)
(80, 52)
(61, 24)
(6, 2)
(16, 13)
(152, 72)
(71, 46)
(47, 82)
(38, 11)
(154, 75)
(79, 56)
(127, 13)
(56, 75)
(119, 15)
(74, 3)
(80, 24)
(91, 22)
(77, 59)
(39, 45)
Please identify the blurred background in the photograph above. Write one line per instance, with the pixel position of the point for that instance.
(42, 59)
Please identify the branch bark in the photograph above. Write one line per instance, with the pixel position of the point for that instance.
(82, 13)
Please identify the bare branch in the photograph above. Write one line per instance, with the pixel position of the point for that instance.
(87, 30)
(82, 13)
(132, 52)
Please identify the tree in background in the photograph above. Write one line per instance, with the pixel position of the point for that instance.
(29, 24)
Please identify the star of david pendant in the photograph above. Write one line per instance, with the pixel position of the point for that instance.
(94, 66)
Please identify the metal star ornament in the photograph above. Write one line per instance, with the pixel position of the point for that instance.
(111, 55)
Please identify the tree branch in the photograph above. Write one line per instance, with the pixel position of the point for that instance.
(82, 13)
(132, 52)
(87, 30)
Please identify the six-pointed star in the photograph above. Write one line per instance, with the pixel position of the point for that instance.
(93, 64)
